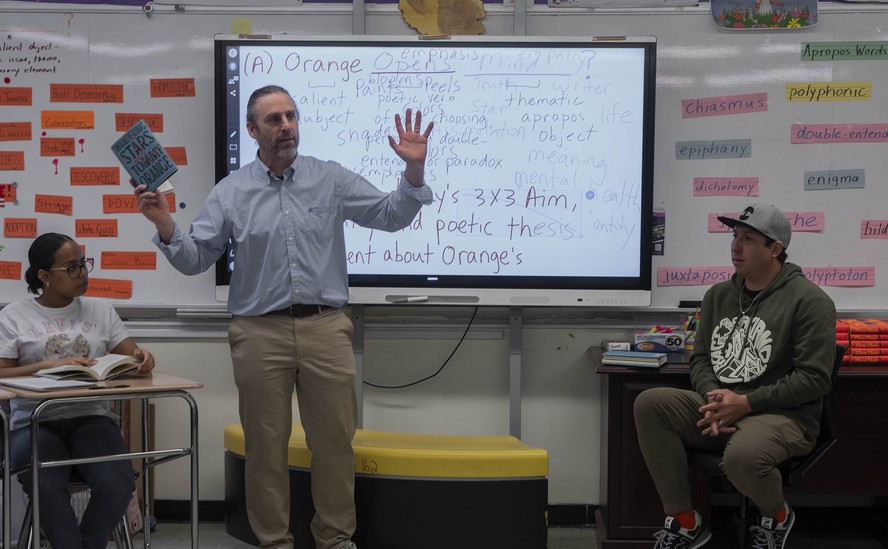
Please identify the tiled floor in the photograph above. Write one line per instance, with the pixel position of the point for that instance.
(178, 536)
(212, 534)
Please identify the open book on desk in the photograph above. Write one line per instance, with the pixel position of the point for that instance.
(44, 384)
(633, 358)
(106, 367)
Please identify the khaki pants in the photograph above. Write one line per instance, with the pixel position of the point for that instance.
(272, 355)
(666, 420)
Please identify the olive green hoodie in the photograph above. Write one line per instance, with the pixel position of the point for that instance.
(780, 353)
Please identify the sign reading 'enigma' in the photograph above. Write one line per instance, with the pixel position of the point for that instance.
(834, 179)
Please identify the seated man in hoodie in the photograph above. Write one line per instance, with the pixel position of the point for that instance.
(761, 365)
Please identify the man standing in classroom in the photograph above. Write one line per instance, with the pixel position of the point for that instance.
(284, 214)
(763, 355)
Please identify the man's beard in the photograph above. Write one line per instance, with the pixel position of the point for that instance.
(287, 154)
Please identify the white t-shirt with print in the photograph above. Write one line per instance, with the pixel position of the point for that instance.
(30, 332)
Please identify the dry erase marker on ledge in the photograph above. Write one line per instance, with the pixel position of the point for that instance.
(411, 299)
(434, 37)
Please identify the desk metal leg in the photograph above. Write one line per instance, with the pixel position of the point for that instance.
(7, 511)
(35, 484)
(146, 494)
(146, 466)
(194, 474)
(150, 458)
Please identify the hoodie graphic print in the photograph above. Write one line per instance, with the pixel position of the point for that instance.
(740, 349)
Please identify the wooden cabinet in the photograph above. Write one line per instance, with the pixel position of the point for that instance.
(630, 509)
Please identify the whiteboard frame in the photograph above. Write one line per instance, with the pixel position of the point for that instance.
(486, 290)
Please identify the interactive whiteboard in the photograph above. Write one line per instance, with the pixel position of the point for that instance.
(540, 160)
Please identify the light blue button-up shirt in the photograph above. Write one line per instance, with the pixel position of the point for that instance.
(288, 233)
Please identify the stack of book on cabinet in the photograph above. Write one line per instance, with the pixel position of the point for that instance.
(865, 339)
(633, 358)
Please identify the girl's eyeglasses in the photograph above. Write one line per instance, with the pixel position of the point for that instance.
(74, 271)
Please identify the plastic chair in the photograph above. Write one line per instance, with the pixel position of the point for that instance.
(792, 469)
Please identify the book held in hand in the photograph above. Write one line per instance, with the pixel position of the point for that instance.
(146, 161)
(633, 358)
(106, 367)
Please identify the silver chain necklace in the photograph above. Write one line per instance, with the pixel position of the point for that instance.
(740, 300)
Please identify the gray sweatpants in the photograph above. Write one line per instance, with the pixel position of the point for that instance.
(666, 420)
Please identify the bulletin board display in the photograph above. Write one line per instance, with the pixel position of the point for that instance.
(71, 82)
(790, 117)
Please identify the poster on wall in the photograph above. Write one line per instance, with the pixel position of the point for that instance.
(764, 14)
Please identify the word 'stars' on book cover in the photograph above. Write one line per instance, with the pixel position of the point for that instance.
(144, 158)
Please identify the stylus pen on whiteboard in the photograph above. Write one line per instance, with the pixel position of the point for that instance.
(411, 299)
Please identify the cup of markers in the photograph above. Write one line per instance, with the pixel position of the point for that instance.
(690, 326)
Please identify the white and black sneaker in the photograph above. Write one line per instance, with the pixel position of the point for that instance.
(770, 534)
(673, 536)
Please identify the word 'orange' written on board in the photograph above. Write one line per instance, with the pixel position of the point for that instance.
(107, 175)
(16, 97)
(126, 120)
(48, 203)
(100, 228)
(15, 131)
(110, 288)
(129, 260)
(10, 270)
(56, 146)
(127, 203)
(20, 226)
(67, 120)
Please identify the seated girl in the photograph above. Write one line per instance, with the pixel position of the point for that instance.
(60, 327)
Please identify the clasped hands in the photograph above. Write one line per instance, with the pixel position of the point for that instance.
(723, 409)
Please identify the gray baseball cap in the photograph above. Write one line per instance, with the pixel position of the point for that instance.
(764, 218)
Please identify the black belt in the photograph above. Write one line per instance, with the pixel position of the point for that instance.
(300, 310)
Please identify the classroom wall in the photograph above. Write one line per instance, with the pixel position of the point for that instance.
(697, 61)
(560, 397)
(561, 392)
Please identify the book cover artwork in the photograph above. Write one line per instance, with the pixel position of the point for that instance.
(144, 158)
(764, 14)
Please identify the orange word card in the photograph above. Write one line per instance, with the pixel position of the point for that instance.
(47, 203)
(110, 288)
(20, 227)
(10, 270)
(99, 228)
(130, 260)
